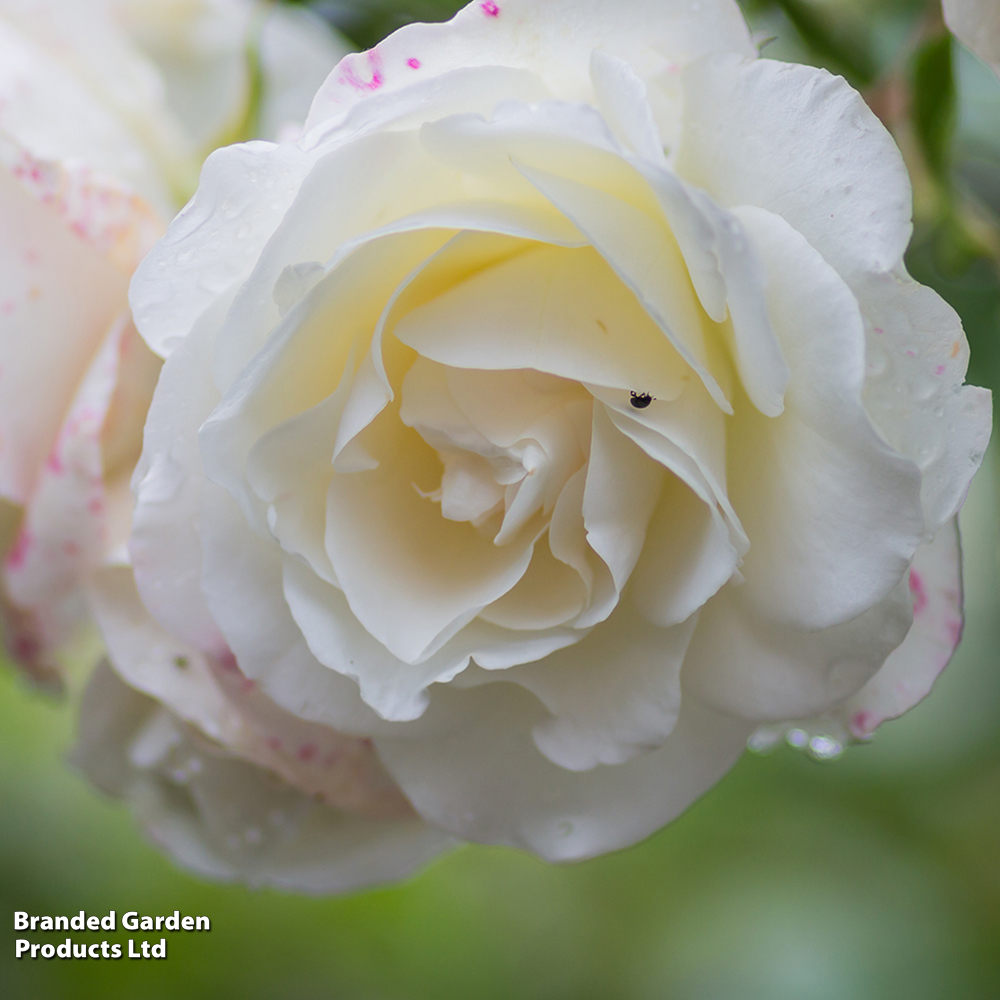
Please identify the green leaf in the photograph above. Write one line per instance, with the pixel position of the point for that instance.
(834, 42)
(935, 104)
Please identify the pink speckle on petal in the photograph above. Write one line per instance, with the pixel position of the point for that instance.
(19, 552)
(71, 548)
(911, 354)
(8, 307)
(273, 743)
(955, 627)
(25, 648)
(879, 329)
(95, 505)
(939, 370)
(54, 464)
(918, 591)
(413, 63)
(490, 9)
(358, 83)
(306, 752)
(228, 662)
(863, 724)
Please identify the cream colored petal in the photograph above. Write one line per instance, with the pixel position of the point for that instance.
(555, 310)
(686, 558)
(801, 143)
(832, 512)
(554, 39)
(165, 545)
(622, 490)
(744, 664)
(211, 246)
(488, 781)
(935, 583)
(613, 696)
(914, 389)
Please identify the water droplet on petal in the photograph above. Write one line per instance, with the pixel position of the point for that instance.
(825, 748)
(797, 738)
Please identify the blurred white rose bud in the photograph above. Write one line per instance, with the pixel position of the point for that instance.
(99, 142)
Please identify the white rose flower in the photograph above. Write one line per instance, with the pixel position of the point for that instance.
(92, 151)
(976, 23)
(555, 413)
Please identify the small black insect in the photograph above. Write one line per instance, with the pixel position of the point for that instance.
(640, 400)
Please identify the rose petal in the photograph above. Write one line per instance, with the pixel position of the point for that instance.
(622, 490)
(397, 690)
(228, 819)
(686, 558)
(488, 781)
(243, 585)
(51, 282)
(213, 694)
(65, 531)
(647, 261)
(408, 185)
(604, 714)
(184, 274)
(569, 316)
(165, 545)
(935, 584)
(839, 181)
(832, 512)
(744, 664)
(914, 391)
(553, 40)
(624, 101)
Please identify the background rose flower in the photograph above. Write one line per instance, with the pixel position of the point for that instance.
(563, 413)
(97, 140)
(976, 23)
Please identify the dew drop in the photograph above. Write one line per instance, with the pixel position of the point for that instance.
(825, 748)
(797, 738)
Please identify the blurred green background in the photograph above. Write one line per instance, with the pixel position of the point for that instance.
(877, 876)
